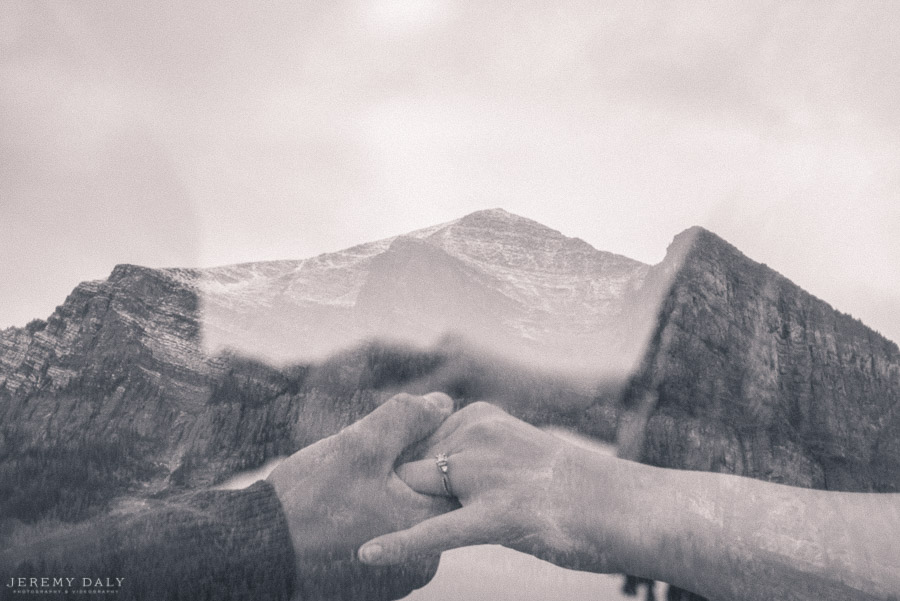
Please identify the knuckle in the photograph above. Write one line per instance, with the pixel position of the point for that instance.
(406, 402)
(481, 408)
(485, 430)
(402, 399)
(507, 426)
(493, 427)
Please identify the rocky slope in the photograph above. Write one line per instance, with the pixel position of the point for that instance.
(128, 386)
(747, 373)
(501, 281)
(120, 389)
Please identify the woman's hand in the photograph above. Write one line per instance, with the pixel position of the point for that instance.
(518, 486)
(717, 535)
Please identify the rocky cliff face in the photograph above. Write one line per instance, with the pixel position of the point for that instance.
(748, 374)
(114, 392)
(117, 393)
(120, 392)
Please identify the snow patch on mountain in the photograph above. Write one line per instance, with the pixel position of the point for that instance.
(544, 288)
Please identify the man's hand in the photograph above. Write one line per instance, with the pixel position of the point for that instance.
(342, 491)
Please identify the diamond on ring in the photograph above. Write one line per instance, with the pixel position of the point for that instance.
(443, 465)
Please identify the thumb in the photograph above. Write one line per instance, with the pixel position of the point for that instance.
(402, 420)
(467, 526)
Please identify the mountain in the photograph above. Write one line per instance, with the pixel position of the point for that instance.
(747, 373)
(503, 282)
(159, 379)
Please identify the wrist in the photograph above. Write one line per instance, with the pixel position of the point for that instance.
(615, 512)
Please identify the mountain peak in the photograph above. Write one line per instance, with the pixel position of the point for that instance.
(496, 235)
(700, 235)
(502, 220)
(539, 284)
(697, 241)
(493, 215)
(493, 211)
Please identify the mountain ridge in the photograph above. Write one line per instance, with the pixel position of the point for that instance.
(120, 386)
(772, 381)
(547, 282)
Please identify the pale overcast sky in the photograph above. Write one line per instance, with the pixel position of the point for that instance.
(202, 133)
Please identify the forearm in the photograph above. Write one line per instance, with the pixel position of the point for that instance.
(219, 543)
(727, 537)
(766, 541)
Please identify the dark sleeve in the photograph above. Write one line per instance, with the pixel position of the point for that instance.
(206, 545)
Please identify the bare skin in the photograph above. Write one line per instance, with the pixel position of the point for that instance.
(721, 536)
(342, 490)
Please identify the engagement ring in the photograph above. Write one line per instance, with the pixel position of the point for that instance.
(444, 467)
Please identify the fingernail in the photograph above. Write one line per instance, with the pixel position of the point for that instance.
(441, 401)
(370, 553)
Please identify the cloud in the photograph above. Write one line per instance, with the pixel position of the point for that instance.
(309, 126)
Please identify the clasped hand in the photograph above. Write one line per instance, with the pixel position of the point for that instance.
(510, 483)
(517, 487)
(375, 493)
